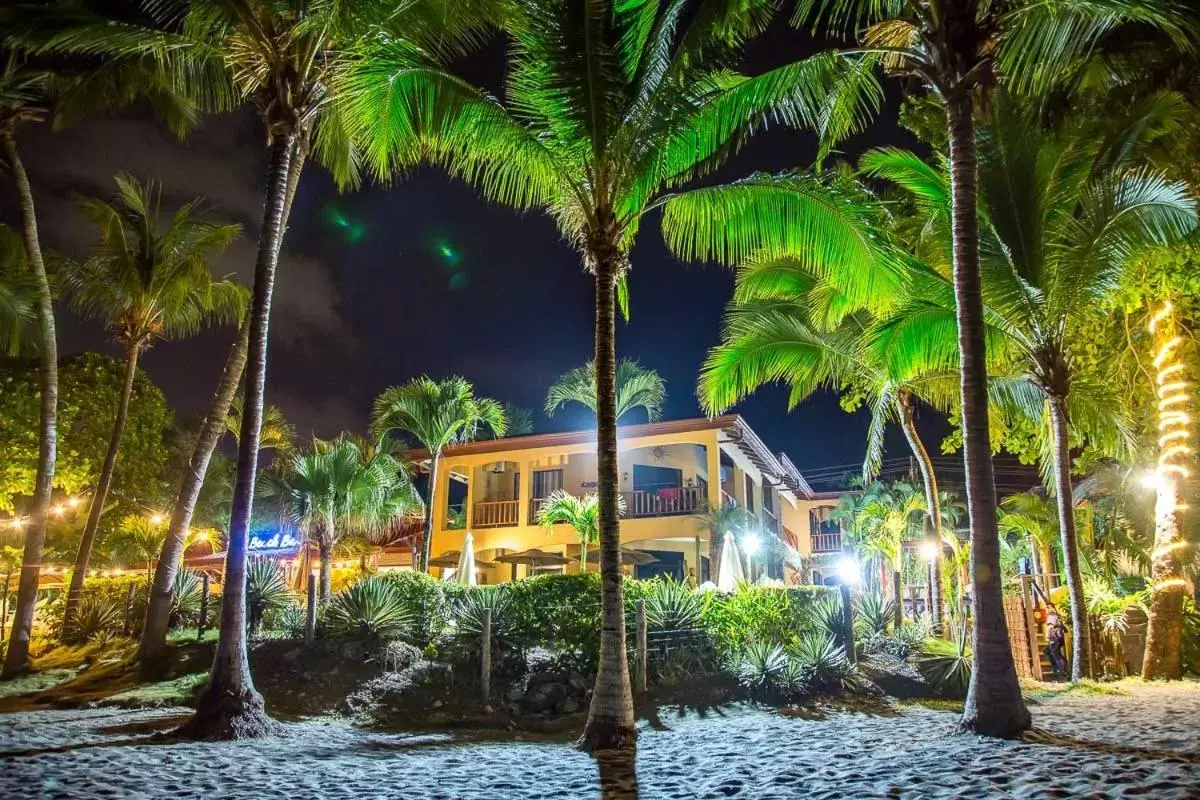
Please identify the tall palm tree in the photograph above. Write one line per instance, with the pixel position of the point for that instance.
(1060, 225)
(884, 521)
(289, 60)
(437, 414)
(1031, 514)
(336, 488)
(956, 50)
(637, 387)
(608, 108)
(146, 284)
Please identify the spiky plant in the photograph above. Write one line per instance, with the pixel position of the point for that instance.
(760, 665)
(266, 590)
(825, 662)
(671, 606)
(372, 608)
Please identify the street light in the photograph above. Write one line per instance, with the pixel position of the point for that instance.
(929, 551)
(849, 571)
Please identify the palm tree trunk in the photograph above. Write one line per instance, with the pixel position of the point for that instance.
(1080, 649)
(933, 512)
(158, 610)
(230, 707)
(994, 705)
(583, 548)
(325, 545)
(16, 659)
(610, 722)
(422, 564)
(1164, 630)
(100, 496)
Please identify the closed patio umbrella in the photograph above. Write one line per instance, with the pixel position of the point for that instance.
(465, 574)
(729, 571)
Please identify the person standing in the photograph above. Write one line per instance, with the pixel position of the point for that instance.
(1056, 639)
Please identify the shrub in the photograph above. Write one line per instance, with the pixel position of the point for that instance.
(428, 601)
(948, 670)
(114, 589)
(760, 667)
(760, 614)
(471, 609)
(185, 597)
(559, 611)
(671, 606)
(266, 590)
(287, 622)
(98, 617)
(370, 609)
(829, 617)
(825, 663)
(907, 641)
(873, 615)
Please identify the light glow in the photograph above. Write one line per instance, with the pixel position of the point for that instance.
(73, 502)
(751, 544)
(1170, 583)
(1167, 549)
(929, 551)
(156, 519)
(1160, 315)
(849, 570)
(18, 522)
(1164, 352)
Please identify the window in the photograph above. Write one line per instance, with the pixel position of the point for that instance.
(546, 482)
(749, 494)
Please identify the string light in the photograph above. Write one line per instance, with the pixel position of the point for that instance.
(58, 511)
(156, 519)
(73, 502)
(1166, 549)
(1160, 315)
(1170, 583)
(1164, 352)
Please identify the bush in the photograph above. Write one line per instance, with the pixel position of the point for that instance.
(824, 662)
(760, 667)
(760, 614)
(113, 589)
(185, 598)
(287, 622)
(98, 617)
(947, 668)
(907, 641)
(671, 606)
(470, 611)
(369, 609)
(829, 617)
(427, 600)
(873, 615)
(559, 611)
(267, 591)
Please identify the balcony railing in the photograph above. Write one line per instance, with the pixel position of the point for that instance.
(495, 514)
(826, 542)
(664, 502)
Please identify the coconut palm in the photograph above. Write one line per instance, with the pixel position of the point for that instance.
(275, 432)
(289, 60)
(637, 387)
(609, 108)
(436, 414)
(146, 284)
(337, 488)
(883, 521)
(1060, 226)
(956, 50)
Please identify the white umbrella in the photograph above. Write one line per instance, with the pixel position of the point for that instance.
(465, 572)
(729, 571)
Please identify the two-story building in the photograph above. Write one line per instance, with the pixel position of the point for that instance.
(671, 473)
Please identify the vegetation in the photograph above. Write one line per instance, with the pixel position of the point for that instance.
(637, 387)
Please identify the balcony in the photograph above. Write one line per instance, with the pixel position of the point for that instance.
(495, 514)
(826, 543)
(667, 502)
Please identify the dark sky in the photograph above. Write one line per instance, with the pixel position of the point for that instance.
(366, 296)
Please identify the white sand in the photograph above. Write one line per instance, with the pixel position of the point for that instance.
(1145, 744)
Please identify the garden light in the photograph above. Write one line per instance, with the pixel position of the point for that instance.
(751, 544)
(58, 511)
(73, 502)
(929, 551)
(156, 519)
(849, 571)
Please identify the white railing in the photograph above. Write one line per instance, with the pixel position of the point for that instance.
(495, 514)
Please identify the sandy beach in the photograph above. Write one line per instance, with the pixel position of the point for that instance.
(1142, 743)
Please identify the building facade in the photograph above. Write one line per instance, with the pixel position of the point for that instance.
(671, 473)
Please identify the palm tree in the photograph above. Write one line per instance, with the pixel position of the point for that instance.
(955, 50)
(437, 414)
(716, 522)
(1060, 226)
(883, 522)
(290, 61)
(1032, 515)
(275, 432)
(339, 487)
(637, 387)
(581, 513)
(18, 295)
(146, 285)
(608, 109)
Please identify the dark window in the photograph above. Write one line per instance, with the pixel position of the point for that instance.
(651, 479)
(749, 495)
(546, 482)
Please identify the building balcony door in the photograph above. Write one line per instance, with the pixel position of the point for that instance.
(545, 483)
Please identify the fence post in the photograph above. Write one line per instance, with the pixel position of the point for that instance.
(899, 601)
(643, 660)
(310, 612)
(485, 677)
(129, 608)
(848, 622)
(203, 606)
(1035, 656)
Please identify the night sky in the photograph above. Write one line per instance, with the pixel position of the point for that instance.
(383, 284)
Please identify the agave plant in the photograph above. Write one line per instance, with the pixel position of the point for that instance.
(370, 609)
(671, 606)
(472, 608)
(760, 666)
(873, 614)
(186, 594)
(266, 590)
(98, 618)
(949, 672)
(829, 617)
(825, 662)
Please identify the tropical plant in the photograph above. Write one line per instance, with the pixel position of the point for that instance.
(436, 414)
(830, 618)
(581, 513)
(1061, 222)
(291, 61)
(186, 596)
(370, 608)
(873, 614)
(671, 606)
(825, 663)
(948, 666)
(761, 665)
(18, 295)
(338, 488)
(149, 279)
(1032, 515)
(98, 618)
(955, 50)
(426, 599)
(267, 590)
(470, 612)
(722, 519)
(608, 109)
(274, 433)
(637, 387)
